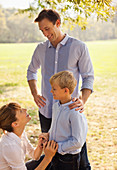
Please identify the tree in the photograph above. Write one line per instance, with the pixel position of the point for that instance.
(3, 26)
(17, 28)
(76, 11)
(115, 19)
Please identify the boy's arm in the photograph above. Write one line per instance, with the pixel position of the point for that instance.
(79, 132)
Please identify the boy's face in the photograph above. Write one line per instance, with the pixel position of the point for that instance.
(22, 117)
(57, 92)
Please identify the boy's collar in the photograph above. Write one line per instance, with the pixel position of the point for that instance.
(66, 104)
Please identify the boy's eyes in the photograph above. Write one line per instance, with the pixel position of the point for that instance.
(21, 111)
(46, 29)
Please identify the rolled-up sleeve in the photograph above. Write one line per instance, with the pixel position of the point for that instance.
(34, 65)
(86, 68)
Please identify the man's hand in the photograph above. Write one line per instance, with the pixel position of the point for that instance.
(50, 149)
(78, 104)
(39, 100)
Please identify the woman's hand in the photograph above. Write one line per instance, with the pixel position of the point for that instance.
(50, 149)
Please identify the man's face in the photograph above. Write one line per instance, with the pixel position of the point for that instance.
(57, 92)
(50, 30)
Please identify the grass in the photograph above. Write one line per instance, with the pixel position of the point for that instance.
(100, 109)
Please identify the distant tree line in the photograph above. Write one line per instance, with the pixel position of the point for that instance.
(20, 28)
(17, 28)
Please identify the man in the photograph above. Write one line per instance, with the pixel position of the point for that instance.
(60, 52)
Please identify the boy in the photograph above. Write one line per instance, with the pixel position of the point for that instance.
(69, 127)
(14, 144)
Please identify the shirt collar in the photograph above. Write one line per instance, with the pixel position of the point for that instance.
(14, 137)
(66, 104)
(63, 42)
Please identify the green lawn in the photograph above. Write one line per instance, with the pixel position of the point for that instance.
(14, 60)
(104, 57)
(100, 110)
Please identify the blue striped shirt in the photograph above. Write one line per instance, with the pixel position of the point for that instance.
(70, 54)
(68, 128)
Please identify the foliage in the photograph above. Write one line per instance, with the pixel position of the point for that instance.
(21, 28)
(100, 30)
(76, 11)
(17, 28)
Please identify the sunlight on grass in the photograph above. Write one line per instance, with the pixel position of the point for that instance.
(100, 110)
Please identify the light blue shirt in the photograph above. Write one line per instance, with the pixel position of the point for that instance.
(70, 54)
(68, 128)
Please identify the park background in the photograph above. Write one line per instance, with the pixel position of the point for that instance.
(19, 37)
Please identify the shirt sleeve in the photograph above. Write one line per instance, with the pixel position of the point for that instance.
(86, 68)
(14, 158)
(29, 147)
(34, 65)
(79, 129)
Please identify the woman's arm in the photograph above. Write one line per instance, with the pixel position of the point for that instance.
(50, 149)
(43, 137)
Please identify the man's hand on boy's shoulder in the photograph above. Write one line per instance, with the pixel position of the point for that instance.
(78, 104)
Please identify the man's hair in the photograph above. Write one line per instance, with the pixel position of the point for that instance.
(8, 116)
(65, 79)
(49, 14)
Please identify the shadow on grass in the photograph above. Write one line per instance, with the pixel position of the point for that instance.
(3, 87)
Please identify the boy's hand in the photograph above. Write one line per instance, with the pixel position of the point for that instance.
(78, 104)
(50, 149)
(43, 137)
(46, 136)
(40, 143)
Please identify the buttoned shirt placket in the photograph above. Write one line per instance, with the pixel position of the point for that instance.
(56, 120)
(56, 58)
(56, 61)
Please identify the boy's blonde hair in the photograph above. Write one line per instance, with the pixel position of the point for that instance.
(65, 79)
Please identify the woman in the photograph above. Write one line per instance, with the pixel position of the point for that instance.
(14, 143)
